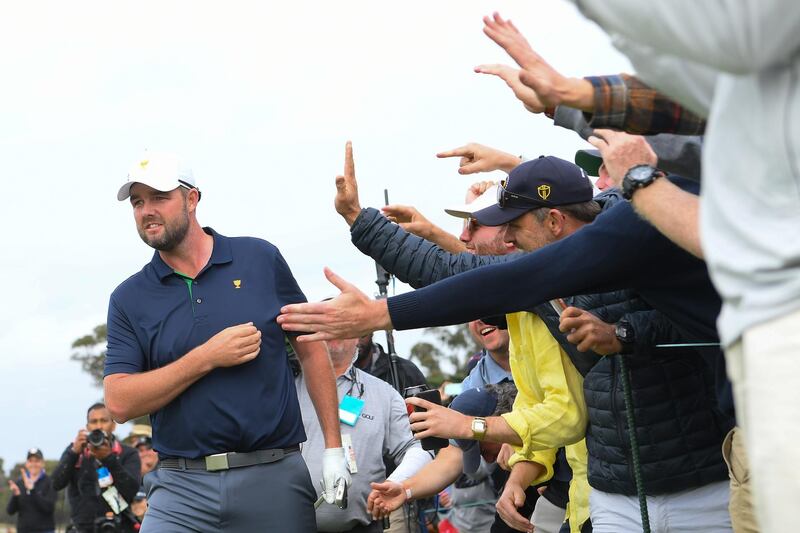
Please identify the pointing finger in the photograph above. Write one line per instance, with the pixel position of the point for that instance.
(349, 165)
(455, 152)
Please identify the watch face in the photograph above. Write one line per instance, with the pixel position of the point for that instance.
(479, 425)
(641, 173)
(624, 332)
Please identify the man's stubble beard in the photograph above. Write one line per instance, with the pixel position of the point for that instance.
(496, 246)
(174, 233)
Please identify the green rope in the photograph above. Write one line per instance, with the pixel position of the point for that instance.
(637, 465)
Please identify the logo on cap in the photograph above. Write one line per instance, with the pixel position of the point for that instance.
(237, 284)
(544, 191)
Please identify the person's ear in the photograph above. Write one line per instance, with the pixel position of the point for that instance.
(192, 199)
(555, 222)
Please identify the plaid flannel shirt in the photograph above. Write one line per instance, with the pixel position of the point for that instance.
(623, 102)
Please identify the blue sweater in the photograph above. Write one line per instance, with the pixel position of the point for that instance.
(618, 250)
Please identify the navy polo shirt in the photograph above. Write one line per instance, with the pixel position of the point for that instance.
(154, 319)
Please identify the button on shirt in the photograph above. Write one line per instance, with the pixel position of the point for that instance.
(157, 316)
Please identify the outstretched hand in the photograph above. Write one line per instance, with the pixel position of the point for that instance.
(408, 218)
(510, 75)
(551, 88)
(349, 315)
(479, 158)
(384, 498)
(346, 201)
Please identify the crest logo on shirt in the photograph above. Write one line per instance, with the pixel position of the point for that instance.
(237, 284)
(544, 191)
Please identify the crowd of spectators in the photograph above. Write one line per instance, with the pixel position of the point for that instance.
(637, 310)
(668, 310)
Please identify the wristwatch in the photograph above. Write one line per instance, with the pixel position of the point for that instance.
(639, 177)
(625, 335)
(478, 428)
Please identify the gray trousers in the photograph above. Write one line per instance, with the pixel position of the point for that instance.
(268, 497)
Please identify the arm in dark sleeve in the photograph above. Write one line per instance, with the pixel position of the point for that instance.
(63, 473)
(604, 255)
(650, 329)
(13, 502)
(125, 470)
(44, 497)
(412, 259)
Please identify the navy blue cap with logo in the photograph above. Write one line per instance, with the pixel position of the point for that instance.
(473, 402)
(547, 181)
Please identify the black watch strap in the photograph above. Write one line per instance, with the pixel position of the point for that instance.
(626, 336)
(638, 177)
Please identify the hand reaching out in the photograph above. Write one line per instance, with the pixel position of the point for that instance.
(385, 498)
(479, 158)
(349, 315)
(551, 88)
(510, 75)
(408, 218)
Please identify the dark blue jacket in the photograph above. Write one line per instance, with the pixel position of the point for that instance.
(665, 467)
(35, 508)
(618, 250)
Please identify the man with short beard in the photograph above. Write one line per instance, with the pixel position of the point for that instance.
(193, 341)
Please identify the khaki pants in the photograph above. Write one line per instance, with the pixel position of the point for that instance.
(743, 519)
(764, 368)
(398, 522)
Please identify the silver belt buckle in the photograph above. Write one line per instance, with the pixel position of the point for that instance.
(216, 462)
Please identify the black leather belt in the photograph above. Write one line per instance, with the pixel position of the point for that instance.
(226, 461)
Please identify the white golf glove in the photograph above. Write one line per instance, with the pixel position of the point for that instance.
(334, 471)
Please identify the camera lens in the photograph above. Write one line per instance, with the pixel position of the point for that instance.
(96, 438)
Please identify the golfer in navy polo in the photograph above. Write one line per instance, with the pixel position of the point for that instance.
(193, 341)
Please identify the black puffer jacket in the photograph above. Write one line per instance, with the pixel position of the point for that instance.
(679, 426)
(688, 457)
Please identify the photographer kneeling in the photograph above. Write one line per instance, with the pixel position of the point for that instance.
(102, 475)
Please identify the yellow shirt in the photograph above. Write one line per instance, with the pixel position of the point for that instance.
(549, 411)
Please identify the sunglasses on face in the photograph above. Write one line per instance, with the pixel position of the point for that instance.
(506, 198)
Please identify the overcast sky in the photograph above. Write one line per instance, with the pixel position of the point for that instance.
(261, 99)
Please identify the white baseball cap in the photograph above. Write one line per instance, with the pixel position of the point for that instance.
(162, 171)
(484, 200)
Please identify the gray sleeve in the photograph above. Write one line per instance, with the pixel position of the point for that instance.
(572, 119)
(736, 36)
(677, 154)
(412, 259)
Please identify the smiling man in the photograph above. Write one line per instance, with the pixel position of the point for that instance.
(193, 341)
